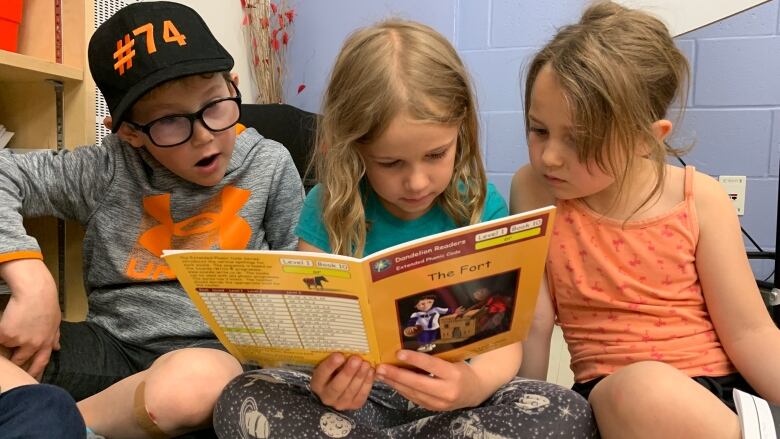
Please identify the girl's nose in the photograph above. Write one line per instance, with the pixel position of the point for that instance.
(551, 156)
(417, 180)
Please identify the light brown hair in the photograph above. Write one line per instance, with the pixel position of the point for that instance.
(383, 70)
(620, 71)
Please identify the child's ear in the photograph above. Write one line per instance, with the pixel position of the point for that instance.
(130, 135)
(234, 78)
(661, 129)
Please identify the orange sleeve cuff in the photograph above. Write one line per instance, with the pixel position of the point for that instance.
(20, 255)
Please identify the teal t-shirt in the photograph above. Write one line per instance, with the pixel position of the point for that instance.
(387, 230)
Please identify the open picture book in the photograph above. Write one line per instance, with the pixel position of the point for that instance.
(454, 295)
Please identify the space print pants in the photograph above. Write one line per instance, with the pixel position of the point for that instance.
(274, 403)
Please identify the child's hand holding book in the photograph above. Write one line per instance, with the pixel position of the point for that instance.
(343, 383)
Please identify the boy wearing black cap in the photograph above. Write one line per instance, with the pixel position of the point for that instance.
(176, 173)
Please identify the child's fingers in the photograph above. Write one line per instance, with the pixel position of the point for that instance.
(416, 395)
(324, 371)
(5, 340)
(339, 384)
(38, 363)
(333, 392)
(360, 387)
(420, 383)
(21, 355)
(57, 345)
(435, 366)
(405, 376)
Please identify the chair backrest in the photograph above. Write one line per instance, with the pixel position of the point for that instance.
(294, 128)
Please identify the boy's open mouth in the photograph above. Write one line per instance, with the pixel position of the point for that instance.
(206, 161)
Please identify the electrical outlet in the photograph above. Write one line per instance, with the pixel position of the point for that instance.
(735, 185)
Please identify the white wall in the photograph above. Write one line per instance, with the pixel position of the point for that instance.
(683, 16)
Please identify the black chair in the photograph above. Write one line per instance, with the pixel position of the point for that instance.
(294, 128)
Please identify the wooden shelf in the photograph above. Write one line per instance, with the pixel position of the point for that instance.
(15, 67)
(28, 108)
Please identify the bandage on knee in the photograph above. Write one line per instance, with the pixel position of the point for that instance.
(142, 416)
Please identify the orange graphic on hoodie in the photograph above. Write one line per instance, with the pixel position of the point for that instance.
(218, 226)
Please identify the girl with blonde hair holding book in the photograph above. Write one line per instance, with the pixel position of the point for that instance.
(398, 158)
(647, 272)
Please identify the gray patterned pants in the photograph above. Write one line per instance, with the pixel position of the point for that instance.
(275, 403)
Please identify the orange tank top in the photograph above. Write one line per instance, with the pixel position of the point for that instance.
(629, 292)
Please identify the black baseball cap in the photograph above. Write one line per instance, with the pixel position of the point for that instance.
(145, 44)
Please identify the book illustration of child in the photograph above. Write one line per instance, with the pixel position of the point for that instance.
(424, 324)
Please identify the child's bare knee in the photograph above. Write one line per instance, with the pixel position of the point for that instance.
(196, 365)
(181, 390)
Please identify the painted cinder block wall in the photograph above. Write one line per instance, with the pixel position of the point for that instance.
(733, 114)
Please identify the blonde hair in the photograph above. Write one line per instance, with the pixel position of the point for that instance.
(383, 70)
(620, 71)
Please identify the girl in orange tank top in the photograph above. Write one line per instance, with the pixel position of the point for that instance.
(647, 272)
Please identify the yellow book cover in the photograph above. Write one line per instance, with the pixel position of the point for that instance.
(454, 295)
